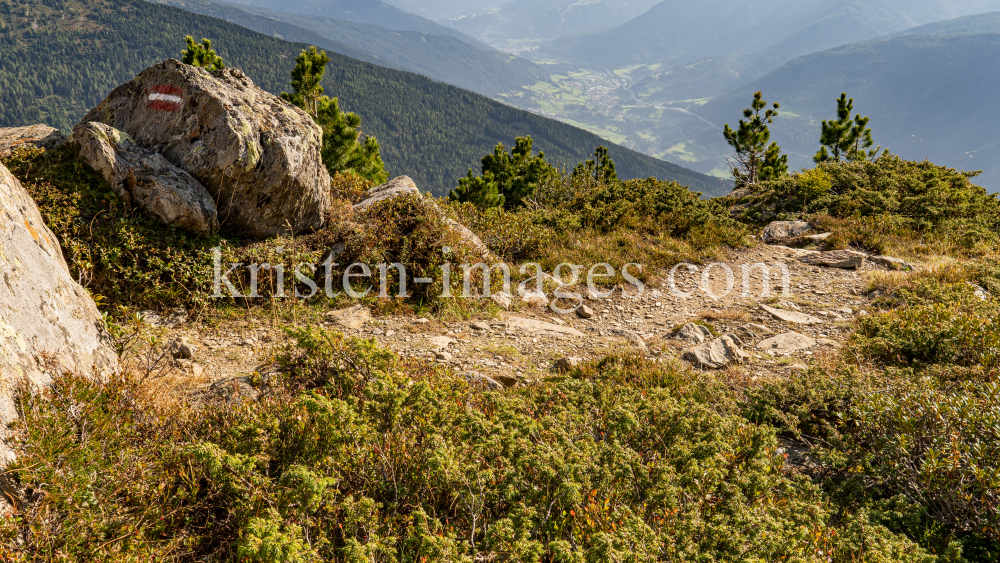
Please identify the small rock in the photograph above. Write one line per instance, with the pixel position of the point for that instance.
(180, 350)
(791, 316)
(377, 331)
(352, 317)
(584, 312)
(692, 332)
(535, 299)
(822, 236)
(828, 342)
(507, 380)
(785, 344)
(717, 354)
(479, 379)
(568, 363)
(892, 263)
(421, 321)
(480, 325)
(758, 328)
(862, 313)
(979, 292)
(390, 333)
(843, 259)
(441, 342)
(789, 305)
(443, 356)
(501, 299)
(785, 229)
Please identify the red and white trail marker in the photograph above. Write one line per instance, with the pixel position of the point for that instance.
(165, 97)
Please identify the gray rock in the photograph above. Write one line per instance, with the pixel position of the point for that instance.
(480, 380)
(585, 312)
(693, 333)
(480, 325)
(181, 350)
(441, 342)
(353, 317)
(146, 179)
(258, 155)
(443, 356)
(535, 299)
(979, 292)
(819, 237)
(892, 263)
(35, 135)
(48, 323)
(400, 186)
(835, 259)
(634, 338)
(785, 229)
(792, 316)
(502, 299)
(717, 354)
(788, 343)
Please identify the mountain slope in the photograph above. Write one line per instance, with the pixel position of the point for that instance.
(441, 57)
(706, 48)
(547, 19)
(59, 62)
(928, 96)
(364, 11)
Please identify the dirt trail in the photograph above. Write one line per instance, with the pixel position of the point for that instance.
(524, 345)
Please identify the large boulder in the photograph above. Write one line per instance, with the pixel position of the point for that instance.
(258, 155)
(717, 354)
(34, 135)
(844, 259)
(48, 323)
(146, 179)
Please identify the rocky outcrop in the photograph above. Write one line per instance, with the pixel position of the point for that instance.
(258, 155)
(48, 323)
(780, 230)
(35, 135)
(401, 186)
(146, 179)
(717, 354)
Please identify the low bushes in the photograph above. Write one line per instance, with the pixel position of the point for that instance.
(357, 455)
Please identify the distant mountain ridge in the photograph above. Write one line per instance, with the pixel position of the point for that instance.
(442, 57)
(547, 19)
(930, 93)
(706, 48)
(55, 68)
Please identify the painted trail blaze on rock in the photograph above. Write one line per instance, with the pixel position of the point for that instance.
(165, 97)
(256, 154)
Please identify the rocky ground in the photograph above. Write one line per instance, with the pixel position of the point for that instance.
(752, 337)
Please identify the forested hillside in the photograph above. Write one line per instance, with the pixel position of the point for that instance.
(61, 57)
(442, 57)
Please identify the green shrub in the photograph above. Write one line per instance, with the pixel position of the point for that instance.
(509, 234)
(919, 196)
(927, 335)
(357, 455)
(941, 449)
